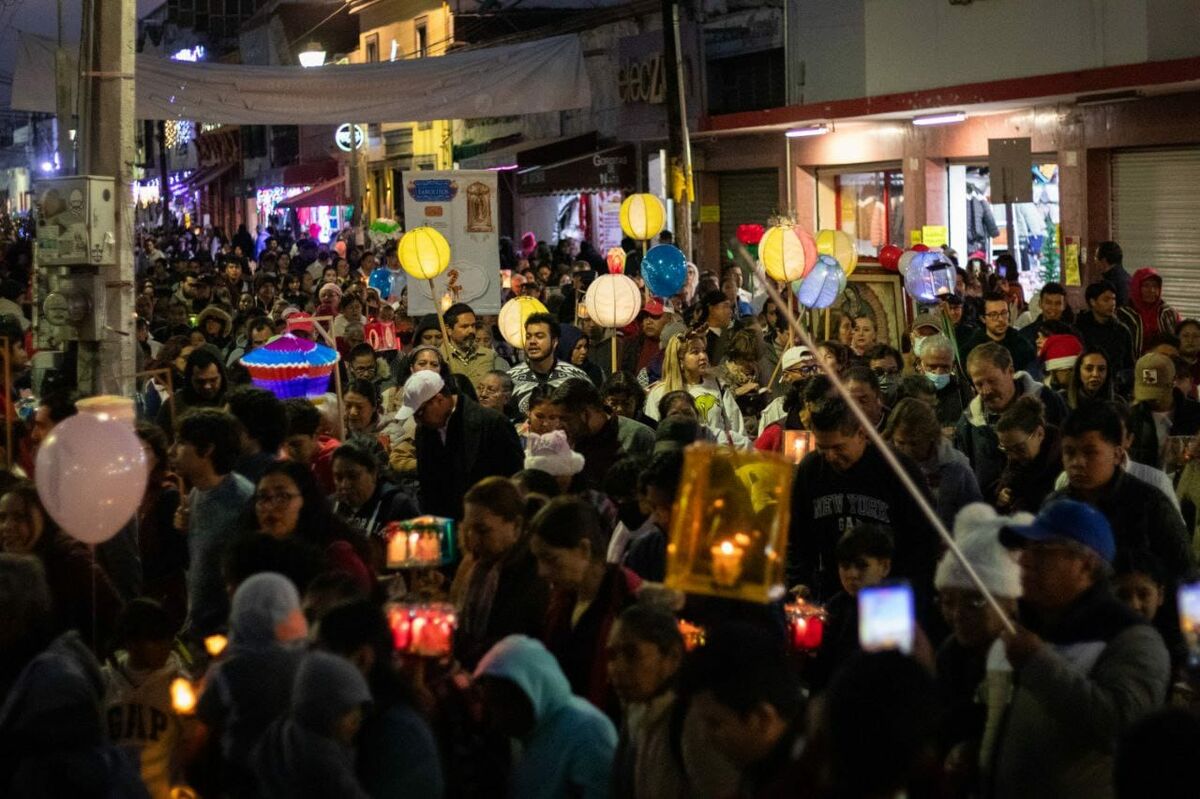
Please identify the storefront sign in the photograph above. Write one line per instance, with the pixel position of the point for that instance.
(342, 137)
(710, 214)
(1071, 262)
(914, 238)
(934, 236)
(612, 169)
(462, 205)
(641, 81)
(1009, 163)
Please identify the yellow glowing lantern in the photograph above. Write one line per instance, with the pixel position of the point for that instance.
(781, 251)
(183, 696)
(840, 246)
(613, 300)
(424, 253)
(642, 216)
(729, 527)
(513, 315)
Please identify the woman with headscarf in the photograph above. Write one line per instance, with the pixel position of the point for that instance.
(574, 346)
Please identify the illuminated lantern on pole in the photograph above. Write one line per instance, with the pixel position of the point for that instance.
(730, 525)
(642, 216)
(839, 246)
(823, 285)
(781, 251)
(613, 301)
(424, 253)
(513, 315)
(806, 625)
(930, 275)
(615, 259)
(291, 367)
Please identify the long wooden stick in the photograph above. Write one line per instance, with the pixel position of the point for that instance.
(327, 334)
(8, 404)
(869, 428)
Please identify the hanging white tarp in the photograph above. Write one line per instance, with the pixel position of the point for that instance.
(525, 78)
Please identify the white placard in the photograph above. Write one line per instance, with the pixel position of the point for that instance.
(463, 206)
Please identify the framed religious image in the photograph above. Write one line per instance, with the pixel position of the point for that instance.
(874, 292)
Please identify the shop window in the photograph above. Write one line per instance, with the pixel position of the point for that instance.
(979, 226)
(867, 206)
(422, 44)
(372, 48)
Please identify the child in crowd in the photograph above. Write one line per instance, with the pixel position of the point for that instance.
(137, 696)
(864, 559)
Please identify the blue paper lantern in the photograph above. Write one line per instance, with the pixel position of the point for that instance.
(823, 285)
(290, 367)
(381, 281)
(664, 268)
(930, 275)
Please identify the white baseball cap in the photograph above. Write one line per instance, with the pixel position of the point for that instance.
(419, 389)
(794, 355)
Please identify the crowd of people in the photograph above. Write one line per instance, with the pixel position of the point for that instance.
(1055, 443)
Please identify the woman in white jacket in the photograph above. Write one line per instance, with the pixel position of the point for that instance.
(686, 368)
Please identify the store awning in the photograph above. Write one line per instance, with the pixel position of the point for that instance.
(532, 153)
(612, 169)
(203, 176)
(331, 192)
(507, 80)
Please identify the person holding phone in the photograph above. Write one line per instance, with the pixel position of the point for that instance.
(1084, 666)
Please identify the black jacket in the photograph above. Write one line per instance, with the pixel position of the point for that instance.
(1113, 339)
(479, 443)
(1142, 518)
(518, 606)
(1185, 421)
(1120, 280)
(826, 503)
(1031, 483)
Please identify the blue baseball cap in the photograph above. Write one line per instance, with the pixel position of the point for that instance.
(1065, 519)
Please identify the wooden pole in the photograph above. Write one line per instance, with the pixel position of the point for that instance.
(614, 351)
(327, 334)
(437, 308)
(8, 405)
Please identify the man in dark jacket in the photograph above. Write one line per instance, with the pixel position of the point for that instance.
(996, 329)
(1099, 327)
(459, 442)
(1053, 302)
(1084, 666)
(204, 386)
(1160, 410)
(846, 482)
(1109, 258)
(991, 370)
(599, 435)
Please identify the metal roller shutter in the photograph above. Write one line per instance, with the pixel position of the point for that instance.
(1156, 219)
(746, 197)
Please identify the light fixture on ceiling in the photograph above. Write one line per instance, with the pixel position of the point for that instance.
(313, 55)
(940, 119)
(808, 130)
(1108, 98)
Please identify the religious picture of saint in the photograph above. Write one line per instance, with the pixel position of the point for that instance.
(479, 208)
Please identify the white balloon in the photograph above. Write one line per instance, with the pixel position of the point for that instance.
(91, 474)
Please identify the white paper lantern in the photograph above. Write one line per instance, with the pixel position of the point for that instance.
(613, 300)
(512, 319)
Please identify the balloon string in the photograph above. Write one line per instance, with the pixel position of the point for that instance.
(903, 475)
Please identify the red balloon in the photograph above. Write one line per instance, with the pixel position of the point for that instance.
(920, 248)
(889, 257)
(750, 234)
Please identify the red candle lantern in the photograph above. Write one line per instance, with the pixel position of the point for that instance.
(426, 629)
(423, 542)
(806, 624)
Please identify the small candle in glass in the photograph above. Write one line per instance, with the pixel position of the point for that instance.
(215, 645)
(727, 563)
(183, 696)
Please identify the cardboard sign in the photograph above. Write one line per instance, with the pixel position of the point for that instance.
(934, 236)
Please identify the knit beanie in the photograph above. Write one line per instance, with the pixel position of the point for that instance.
(1061, 351)
(552, 453)
(977, 533)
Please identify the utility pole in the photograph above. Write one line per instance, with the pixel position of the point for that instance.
(108, 148)
(679, 142)
(64, 114)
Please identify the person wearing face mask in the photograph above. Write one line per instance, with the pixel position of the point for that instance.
(926, 324)
(886, 363)
(935, 360)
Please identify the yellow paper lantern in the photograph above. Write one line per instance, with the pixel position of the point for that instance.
(839, 245)
(613, 300)
(424, 253)
(729, 528)
(642, 216)
(513, 316)
(781, 251)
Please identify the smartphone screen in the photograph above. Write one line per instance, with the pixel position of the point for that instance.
(885, 618)
(1189, 620)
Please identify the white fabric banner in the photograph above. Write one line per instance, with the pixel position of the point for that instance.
(525, 78)
(463, 206)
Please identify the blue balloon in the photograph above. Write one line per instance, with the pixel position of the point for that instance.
(381, 281)
(930, 274)
(822, 286)
(665, 270)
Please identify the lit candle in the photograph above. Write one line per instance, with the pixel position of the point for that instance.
(693, 635)
(727, 563)
(447, 301)
(397, 551)
(797, 444)
(428, 549)
(215, 645)
(183, 696)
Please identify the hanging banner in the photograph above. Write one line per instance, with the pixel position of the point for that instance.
(462, 205)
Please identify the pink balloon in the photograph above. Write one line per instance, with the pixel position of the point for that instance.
(810, 248)
(91, 474)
